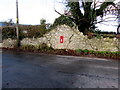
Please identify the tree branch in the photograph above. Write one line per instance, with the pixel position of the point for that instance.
(65, 15)
(59, 13)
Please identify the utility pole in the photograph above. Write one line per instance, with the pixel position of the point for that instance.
(17, 24)
(118, 31)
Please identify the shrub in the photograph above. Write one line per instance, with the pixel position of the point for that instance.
(50, 48)
(79, 50)
(28, 47)
(98, 36)
(32, 31)
(116, 53)
(42, 47)
(86, 51)
(42, 21)
(61, 51)
(9, 32)
(71, 52)
(91, 52)
(62, 20)
(102, 52)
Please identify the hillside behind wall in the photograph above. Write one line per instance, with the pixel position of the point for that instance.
(73, 39)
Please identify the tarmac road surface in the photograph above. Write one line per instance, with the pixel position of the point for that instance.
(31, 70)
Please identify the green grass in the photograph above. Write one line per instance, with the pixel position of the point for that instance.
(103, 53)
(44, 48)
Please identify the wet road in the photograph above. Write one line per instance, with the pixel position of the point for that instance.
(28, 70)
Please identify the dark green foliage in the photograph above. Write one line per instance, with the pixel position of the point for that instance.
(42, 21)
(63, 20)
(98, 53)
(91, 52)
(79, 50)
(86, 51)
(28, 47)
(8, 32)
(86, 21)
(45, 47)
(42, 47)
(116, 53)
(109, 35)
(32, 31)
(98, 36)
(83, 51)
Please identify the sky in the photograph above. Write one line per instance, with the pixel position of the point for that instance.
(31, 11)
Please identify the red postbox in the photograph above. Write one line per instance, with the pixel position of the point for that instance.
(61, 39)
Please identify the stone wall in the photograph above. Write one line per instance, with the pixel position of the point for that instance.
(73, 39)
(9, 43)
(0, 45)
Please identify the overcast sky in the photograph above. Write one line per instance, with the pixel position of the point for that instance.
(31, 11)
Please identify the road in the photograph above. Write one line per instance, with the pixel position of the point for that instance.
(29, 70)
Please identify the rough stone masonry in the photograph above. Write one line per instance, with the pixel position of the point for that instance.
(73, 39)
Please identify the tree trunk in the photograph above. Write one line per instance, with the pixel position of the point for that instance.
(84, 30)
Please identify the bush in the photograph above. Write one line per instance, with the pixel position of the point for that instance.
(86, 51)
(42, 47)
(79, 51)
(61, 51)
(91, 52)
(71, 52)
(98, 36)
(98, 53)
(116, 53)
(28, 47)
(9, 32)
(62, 20)
(32, 31)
